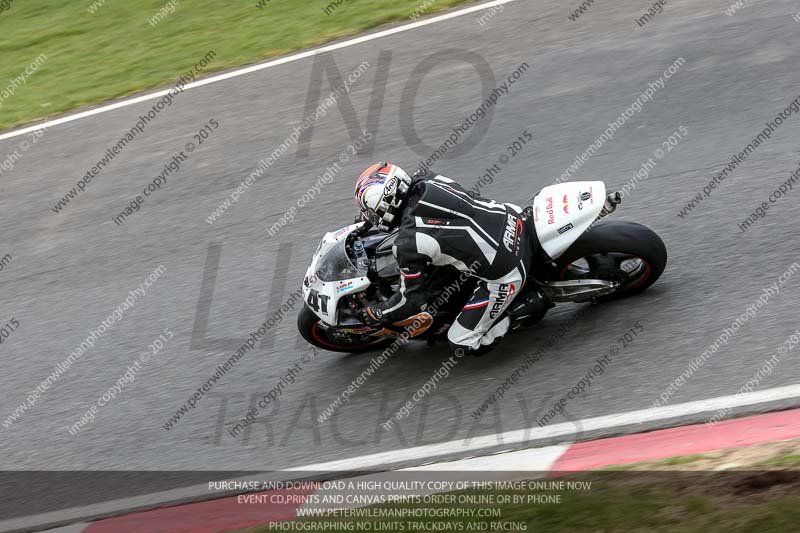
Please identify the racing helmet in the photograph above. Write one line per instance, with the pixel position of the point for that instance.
(380, 193)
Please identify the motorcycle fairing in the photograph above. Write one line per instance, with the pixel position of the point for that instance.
(562, 212)
(332, 275)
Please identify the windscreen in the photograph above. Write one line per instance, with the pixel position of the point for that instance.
(335, 265)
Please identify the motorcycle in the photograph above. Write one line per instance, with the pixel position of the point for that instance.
(581, 257)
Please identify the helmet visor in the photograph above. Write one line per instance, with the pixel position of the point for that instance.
(372, 216)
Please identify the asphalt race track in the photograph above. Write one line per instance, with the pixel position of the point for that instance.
(71, 270)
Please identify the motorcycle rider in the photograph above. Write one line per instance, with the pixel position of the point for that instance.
(441, 224)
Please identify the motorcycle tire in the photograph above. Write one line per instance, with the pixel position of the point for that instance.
(308, 324)
(612, 241)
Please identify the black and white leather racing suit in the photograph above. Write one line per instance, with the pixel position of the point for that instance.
(443, 225)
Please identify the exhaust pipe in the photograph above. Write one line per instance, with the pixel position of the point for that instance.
(612, 201)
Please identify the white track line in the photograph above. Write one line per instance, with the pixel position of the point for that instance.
(532, 463)
(72, 528)
(528, 460)
(566, 429)
(260, 66)
(423, 453)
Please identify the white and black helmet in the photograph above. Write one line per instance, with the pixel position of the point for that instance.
(380, 193)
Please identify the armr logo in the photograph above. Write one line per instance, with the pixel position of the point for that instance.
(503, 292)
(512, 233)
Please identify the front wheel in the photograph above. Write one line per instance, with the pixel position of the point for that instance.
(628, 253)
(315, 332)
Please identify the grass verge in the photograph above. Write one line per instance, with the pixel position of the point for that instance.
(97, 50)
(618, 501)
(756, 488)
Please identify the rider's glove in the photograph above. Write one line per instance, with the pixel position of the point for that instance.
(371, 314)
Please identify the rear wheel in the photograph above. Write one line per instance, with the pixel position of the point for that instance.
(628, 253)
(323, 336)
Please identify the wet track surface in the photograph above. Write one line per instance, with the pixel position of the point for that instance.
(71, 270)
